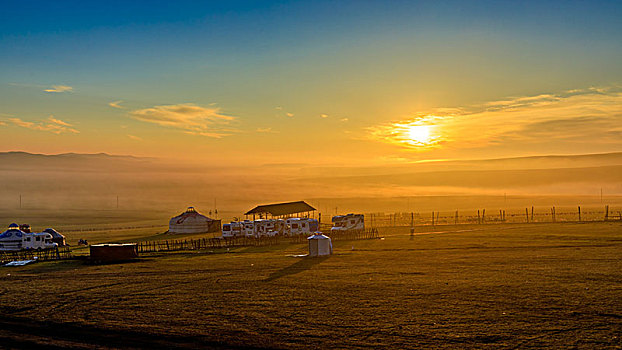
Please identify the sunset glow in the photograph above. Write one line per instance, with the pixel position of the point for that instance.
(452, 82)
(419, 134)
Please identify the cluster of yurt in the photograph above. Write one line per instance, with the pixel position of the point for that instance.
(191, 222)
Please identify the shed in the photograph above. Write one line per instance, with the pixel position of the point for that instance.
(320, 245)
(114, 252)
(281, 209)
(191, 221)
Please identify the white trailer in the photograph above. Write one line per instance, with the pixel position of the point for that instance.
(350, 222)
(233, 229)
(298, 226)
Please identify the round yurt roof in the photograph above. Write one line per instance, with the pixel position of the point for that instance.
(191, 221)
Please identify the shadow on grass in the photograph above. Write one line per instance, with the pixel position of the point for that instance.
(302, 265)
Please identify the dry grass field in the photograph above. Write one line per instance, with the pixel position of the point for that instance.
(467, 286)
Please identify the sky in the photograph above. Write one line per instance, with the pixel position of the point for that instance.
(311, 82)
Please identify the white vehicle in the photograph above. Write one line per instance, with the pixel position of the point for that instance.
(233, 229)
(15, 239)
(298, 226)
(348, 222)
(248, 228)
(264, 227)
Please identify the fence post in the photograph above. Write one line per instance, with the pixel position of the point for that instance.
(606, 212)
(527, 214)
(456, 218)
(532, 214)
(432, 219)
(483, 216)
(579, 213)
(479, 220)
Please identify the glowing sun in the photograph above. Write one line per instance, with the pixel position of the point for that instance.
(419, 133)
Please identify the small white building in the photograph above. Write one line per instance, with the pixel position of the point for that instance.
(190, 222)
(320, 245)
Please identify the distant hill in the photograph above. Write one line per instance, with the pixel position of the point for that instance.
(70, 161)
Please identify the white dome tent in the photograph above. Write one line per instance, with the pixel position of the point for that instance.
(191, 221)
(320, 245)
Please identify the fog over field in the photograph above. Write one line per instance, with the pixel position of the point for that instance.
(93, 181)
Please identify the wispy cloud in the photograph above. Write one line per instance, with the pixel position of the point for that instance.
(323, 115)
(289, 114)
(51, 124)
(192, 119)
(59, 88)
(116, 104)
(134, 137)
(266, 130)
(344, 119)
(574, 115)
(58, 121)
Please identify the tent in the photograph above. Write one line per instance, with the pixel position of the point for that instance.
(191, 221)
(56, 237)
(320, 245)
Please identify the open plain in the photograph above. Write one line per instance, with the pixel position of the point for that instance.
(497, 285)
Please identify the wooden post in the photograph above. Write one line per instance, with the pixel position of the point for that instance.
(500, 215)
(456, 218)
(479, 219)
(483, 216)
(432, 219)
(579, 213)
(606, 212)
(532, 214)
(552, 215)
(527, 214)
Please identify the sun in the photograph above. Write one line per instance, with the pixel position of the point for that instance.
(419, 134)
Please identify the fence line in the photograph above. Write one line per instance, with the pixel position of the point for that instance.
(59, 253)
(230, 242)
(482, 216)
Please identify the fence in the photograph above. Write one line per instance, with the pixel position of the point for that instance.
(482, 216)
(59, 253)
(213, 243)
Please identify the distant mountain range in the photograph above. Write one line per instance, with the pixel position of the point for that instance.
(18, 160)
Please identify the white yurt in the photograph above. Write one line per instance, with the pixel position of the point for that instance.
(320, 245)
(191, 221)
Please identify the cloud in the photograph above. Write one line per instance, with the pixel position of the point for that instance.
(266, 130)
(572, 116)
(116, 104)
(59, 88)
(289, 114)
(323, 115)
(134, 137)
(52, 125)
(192, 119)
(344, 119)
(58, 121)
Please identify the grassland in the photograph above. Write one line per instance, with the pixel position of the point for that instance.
(489, 286)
